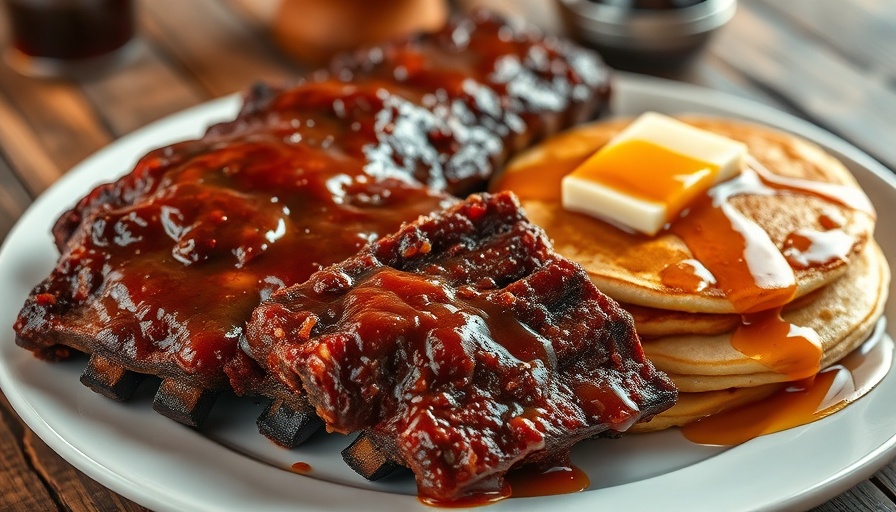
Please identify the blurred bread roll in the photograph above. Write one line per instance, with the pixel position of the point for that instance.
(312, 31)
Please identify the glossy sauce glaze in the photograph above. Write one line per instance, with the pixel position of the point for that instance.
(524, 483)
(753, 275)
(689, 275)
(161, 268)
(171, 278)
(527, 483)
(302, 468)
(466, 344)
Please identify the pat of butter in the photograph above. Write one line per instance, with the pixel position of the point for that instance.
(648, 173)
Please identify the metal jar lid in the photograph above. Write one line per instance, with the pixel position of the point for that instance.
(642, 31)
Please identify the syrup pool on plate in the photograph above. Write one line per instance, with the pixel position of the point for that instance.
(801, 402)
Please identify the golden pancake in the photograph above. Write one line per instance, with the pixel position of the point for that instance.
(842, 314)
(632, 268)
(729, 417)
(656, 323)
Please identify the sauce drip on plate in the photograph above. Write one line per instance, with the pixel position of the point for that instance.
(472, 500)
(526, 482)
(302, 468)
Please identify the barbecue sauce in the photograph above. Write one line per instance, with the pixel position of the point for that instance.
(165, 265)
(469, 345)
(530, 482)
(476, 499)
(302, 468)
(524, 483)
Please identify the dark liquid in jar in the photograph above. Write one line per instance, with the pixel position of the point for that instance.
(649, 4)
(70, 29)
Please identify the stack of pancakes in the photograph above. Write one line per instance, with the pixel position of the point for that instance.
(816, 217)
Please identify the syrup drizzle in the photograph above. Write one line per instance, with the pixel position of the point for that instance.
(802, 401)
(754, 275)
(748, 267)
(777, 344)
(807, 247)
(689, 275)
(850, 197)
(546, 185)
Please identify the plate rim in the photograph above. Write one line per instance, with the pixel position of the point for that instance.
(627, 85)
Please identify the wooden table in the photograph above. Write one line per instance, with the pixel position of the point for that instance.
(832, 62)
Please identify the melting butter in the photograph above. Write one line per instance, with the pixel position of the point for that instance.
(646, 175)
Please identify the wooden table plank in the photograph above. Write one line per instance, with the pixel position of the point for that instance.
(874, 21)
(885, 478)
(46, 477)
(713, 73)
(147, 89)
(22, 488)
(863, 497)
(216, 35)
(14, 199)
(58, 114)
(841, 98)
(24, 151)
(74, 489)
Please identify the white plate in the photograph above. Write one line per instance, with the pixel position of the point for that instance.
(165, 466)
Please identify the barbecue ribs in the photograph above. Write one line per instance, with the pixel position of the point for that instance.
(465, 344)
(160, 269)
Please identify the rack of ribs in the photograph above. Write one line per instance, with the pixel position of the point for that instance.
(462, 346)
(160, 270)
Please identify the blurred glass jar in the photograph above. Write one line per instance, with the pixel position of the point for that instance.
(651, 36)
(52, 38)
(312, 31)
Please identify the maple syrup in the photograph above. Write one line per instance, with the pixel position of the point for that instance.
(689, 275)
(803, 401)
(778, 345)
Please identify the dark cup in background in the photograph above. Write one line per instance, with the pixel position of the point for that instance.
(56, 38)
